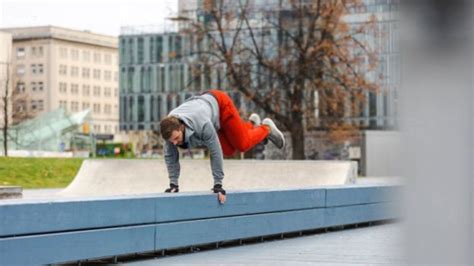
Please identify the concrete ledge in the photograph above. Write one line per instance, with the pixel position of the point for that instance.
(89, 213)
(80, 229)
(10, 192)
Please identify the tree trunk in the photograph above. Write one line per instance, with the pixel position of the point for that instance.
(6, 113)
(297, 141)
(5, 141)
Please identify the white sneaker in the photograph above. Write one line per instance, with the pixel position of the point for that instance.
(255, 119)
(275, 136)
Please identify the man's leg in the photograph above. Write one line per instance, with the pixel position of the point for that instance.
(241, 137)
(227, 148)
(240, 134)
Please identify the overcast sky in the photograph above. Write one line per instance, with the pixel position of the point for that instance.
(100, 16)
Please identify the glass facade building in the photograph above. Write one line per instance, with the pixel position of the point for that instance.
(158, 72)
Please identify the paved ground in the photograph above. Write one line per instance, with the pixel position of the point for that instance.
(374, 245)
(40, 193)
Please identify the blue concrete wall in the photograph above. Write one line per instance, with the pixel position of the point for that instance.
(42, 232)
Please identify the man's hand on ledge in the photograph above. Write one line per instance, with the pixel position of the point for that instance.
(172, 189)
(220, 193)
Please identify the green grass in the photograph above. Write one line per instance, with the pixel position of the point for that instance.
(38, 172)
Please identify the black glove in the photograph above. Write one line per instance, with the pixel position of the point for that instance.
(173, 189)
(218, 189)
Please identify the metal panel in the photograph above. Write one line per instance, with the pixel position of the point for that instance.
(188, 207)
(81, 245)
(182, 234)
(64, 215)
(359, 214)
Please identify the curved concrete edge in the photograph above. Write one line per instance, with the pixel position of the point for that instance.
(132, 177)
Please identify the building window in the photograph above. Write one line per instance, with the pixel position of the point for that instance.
(107, 75)
(63, 104)
(74, 89)
(86, 90)
(75, 54)
(40, 86)
(86, 72)
(20, 53)
(107, 91)
(141, 108)
(130, 51)
(97, 58)
(74, 71)
(40, 105)
(62, 87)
(96, 74)
(85, 106)
(33, 68)
(116, 92)
(162, 79)
(62, 70)
(159, 49)
(108, 59)
(33, 86)
(74, 106)
(86, 56)
(141, 52)
(108, 109)
(63, 52)
(37, 51)
(20, 87)
(130, 78)
(96, 91)
(96, 108)
(40, 69)
(152, 49)
(33, 105)
(20, 70)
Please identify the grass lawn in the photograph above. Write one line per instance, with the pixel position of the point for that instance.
(38, 172)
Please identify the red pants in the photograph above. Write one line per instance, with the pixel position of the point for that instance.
(235, 133)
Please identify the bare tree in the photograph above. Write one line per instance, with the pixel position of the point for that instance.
(13, 103)
(5, 105)
(298, 60)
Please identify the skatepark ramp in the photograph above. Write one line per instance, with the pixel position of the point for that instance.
(133, 177)
(36, 232)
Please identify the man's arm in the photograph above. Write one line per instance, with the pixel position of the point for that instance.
(172, 162)
(209, 136)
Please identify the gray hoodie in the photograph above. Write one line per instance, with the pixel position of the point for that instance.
(200, 115)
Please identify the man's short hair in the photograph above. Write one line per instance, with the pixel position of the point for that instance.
(168, 125)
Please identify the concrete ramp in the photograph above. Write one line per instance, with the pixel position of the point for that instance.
(132, 177)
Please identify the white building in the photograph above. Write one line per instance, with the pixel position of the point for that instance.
(76, 70)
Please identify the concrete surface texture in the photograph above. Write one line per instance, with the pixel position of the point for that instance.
(374, 245)
(129, 177)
